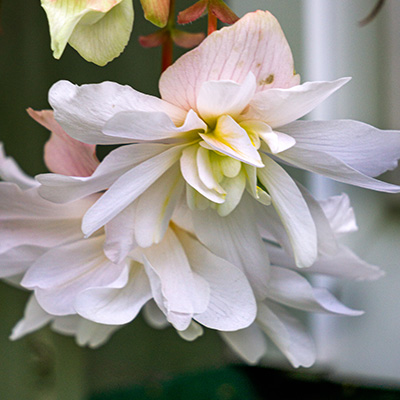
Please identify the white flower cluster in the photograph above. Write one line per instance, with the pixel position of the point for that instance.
(193, 220)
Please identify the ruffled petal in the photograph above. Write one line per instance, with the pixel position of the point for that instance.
(291, 289)
(254, 44)
(232, 304)
(151, 126)
(288, 334)
(293, 211)
(118, 303)
(368, 150)
(234, 239)
(82, 111)
(278, 107)
(249, 343)
(128, 188)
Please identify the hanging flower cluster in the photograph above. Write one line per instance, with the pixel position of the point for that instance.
(193, 220)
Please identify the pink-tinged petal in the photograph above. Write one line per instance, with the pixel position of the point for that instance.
(118, 303)
(288, 334)
(154, 207)
(326, 164)
(234, 239)
(217, 98)
(344, 264)
(291, 289)
(290, 205)
(128, 188)
(231, 139)
(63, 189)
(11, 172)
(151, 126)
(34, 318)
(249, 343)
(82, 111)
(278, 107)
(156, 11)
(65, 271)
(177, 290)
(62, 154)
(254, 44)
(368, 150)
(232, 304)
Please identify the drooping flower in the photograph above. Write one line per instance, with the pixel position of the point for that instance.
(226, 118)
(42, 246)
(98, 30)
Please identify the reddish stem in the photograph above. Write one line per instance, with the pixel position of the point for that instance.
(168, 45)
(167, 53)
(212, 22)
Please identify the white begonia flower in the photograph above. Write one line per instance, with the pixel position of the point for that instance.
(98, 30)
(186, 281)
(43, 242)
(225, 117)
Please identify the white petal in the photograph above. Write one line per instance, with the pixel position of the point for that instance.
(91, 334)
(127, 189)
(154, 316)
(118, 303)
(120, 234)
(205, 169)
(369, 150)
(62, 189)
(249, 343)
(151, 126)
(234, 188)
(18, 259)
(276, 141)
(11, 172)
(293, 211)
(34, 318)
(154, 208)
(344, 264)
(332, 167)
(231, 139)
(83, 111)
(177, 290)
(192, 332)
(225, 98)
(235, 239)
(63, 272)
(288, 334)
(340, 214)
(232, 304)
(278, 107)
(291, 289)
(190, 172)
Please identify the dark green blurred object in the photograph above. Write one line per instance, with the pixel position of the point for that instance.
(221, 384)
(249, 383)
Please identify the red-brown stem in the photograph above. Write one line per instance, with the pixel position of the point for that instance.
(212, 22)
(167, 56)
(167, 53)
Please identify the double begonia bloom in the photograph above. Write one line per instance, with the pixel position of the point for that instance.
(226, 117)
(98, 30)
(82, 292)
